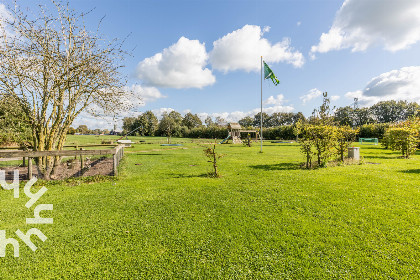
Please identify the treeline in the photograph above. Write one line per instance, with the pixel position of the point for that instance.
(382, 112)
(191, 126)
(371, 121)
(83, 129)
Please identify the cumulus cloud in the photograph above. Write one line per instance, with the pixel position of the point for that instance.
(242, 49)
(5, 13)
(5, 16)
(312, 94)
(335, 97)
(159, 112)
(143, 95)
(402, 84)
(182, 65)
(93, 122)
(360, 24)
(279, 99)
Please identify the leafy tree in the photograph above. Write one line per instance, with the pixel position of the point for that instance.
(191, 121)
(345, 136)
(83, 129)
(363, 116)
(55, 69)
(298, 116)
(148, 123)
(220, 121)
(306, 141)
(167, 126)
(71, 131)
(177, 117)
(15, 127)
(257, 120)
(389, 111)
(344, 116)
(209, 122)
(128, 124)
(319, 135)
(278, 119)
(246, 122)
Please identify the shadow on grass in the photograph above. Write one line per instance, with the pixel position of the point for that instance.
(146, 154)
(380, 157)
(411, 171)
(277, 166)
(204, 175)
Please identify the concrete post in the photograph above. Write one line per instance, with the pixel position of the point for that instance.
(354, 153)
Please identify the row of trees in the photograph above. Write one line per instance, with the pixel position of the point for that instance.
(367, 119)
(382, 112)
(174, 124)
(83, 129)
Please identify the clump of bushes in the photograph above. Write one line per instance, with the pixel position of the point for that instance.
(404, 137)
(322, 138)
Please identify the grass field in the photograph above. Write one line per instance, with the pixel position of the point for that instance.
(265, 218)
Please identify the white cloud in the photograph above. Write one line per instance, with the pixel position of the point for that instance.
(182, 65)
(144, 95)
(159, 112)
(237, 115)
(335, 97)
(242, 49)
(360, 24)
(312, 94)
(279, 99)
(5, 13)
(402, 84)
(93, 122)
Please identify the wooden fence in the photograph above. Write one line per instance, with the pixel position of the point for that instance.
(117, 152)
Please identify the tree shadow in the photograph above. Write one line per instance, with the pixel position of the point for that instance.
(146, 154)
(182, 175)
(380, 157)
(411, 171)
(278, 166)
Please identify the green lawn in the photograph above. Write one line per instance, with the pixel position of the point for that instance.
(265, 218)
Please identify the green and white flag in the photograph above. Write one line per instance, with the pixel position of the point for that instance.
(268, 73)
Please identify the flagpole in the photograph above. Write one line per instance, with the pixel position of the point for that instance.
(261, 132)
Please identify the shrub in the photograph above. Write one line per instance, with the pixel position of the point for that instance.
(404, 137)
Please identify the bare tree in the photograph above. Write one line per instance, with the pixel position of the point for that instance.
(57, 69)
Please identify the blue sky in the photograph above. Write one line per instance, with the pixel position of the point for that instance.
(210, 53)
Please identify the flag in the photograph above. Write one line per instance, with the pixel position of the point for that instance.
(268, 73)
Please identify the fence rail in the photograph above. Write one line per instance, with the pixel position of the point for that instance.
(117, 152)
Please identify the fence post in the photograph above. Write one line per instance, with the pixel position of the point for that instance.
(115, 164)
(82, 163)
(29, 168)
(24, 162)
